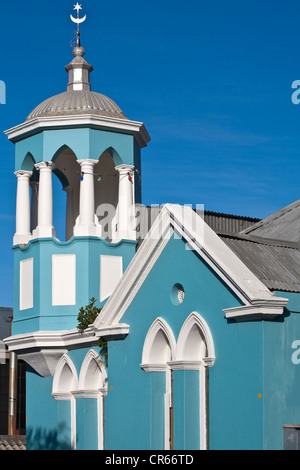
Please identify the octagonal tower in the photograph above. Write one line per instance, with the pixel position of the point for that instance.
(84, 139)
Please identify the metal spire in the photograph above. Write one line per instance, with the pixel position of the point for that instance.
(78, 20)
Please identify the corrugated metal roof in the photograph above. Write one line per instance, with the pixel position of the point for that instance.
(275, 261)
(282, 225)
(220, 222)
(277, 266)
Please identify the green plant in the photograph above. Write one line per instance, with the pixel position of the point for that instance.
(87, 315)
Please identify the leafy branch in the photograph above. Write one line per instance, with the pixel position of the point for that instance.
(86, 316)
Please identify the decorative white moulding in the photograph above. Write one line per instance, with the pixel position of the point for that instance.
(111, 271)
(26, 284)
(64, 279)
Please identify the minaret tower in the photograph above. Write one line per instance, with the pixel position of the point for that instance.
(84, 139)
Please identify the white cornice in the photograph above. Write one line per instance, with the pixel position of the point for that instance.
(84, 120)
(258, 309)
(42, 350)
(64, 339)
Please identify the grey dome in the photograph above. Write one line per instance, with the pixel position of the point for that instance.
(72, 103)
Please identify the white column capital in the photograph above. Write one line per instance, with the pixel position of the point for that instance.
(87, 164)
(47, 166)
(124, 169)
(23, 173)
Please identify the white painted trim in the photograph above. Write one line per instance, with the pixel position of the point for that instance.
(203, 418)
(258, 309)
(64, 338)
(63, 279)
(111, 272)
(100, 122)
(26, 283)
(186, 365)
(154, 367)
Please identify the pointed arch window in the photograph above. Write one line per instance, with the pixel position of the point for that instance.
(90, 402)
(159, 349)
(195, 353)
(65, 382)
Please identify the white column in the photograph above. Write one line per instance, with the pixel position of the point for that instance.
(70, 222)
(45, 201)
(22, 235)
(126, 213)
(85, 224)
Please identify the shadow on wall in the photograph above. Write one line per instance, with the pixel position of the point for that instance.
(42, 439)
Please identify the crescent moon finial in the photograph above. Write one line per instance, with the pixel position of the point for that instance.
(78, 20)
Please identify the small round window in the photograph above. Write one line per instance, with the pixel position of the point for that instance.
(177, 294)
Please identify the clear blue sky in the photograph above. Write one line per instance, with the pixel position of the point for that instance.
(210, 80)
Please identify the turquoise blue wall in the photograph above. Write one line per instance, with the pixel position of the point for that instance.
(281, 375)
(87, 424)
(43, 316)
(41, 414)
(48, 422)
(235, 379)
(85, 143)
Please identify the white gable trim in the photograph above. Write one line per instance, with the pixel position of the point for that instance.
(256, 298)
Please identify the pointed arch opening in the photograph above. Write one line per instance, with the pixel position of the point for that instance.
(65, 384)
(90, 397)
(65, 204)
(65, 379)
(159, 346)
(28, 162)
(195, 342)
(93, 376)
(159, 349)
(195, 354)
(106, 194)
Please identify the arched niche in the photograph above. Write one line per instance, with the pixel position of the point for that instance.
(159, 346)
(195, 343)
(28, 162)
(65, 379)
(93, 377)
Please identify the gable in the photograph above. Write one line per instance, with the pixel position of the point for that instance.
(255, 298)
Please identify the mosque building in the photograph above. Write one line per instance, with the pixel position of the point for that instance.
(195, 340)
